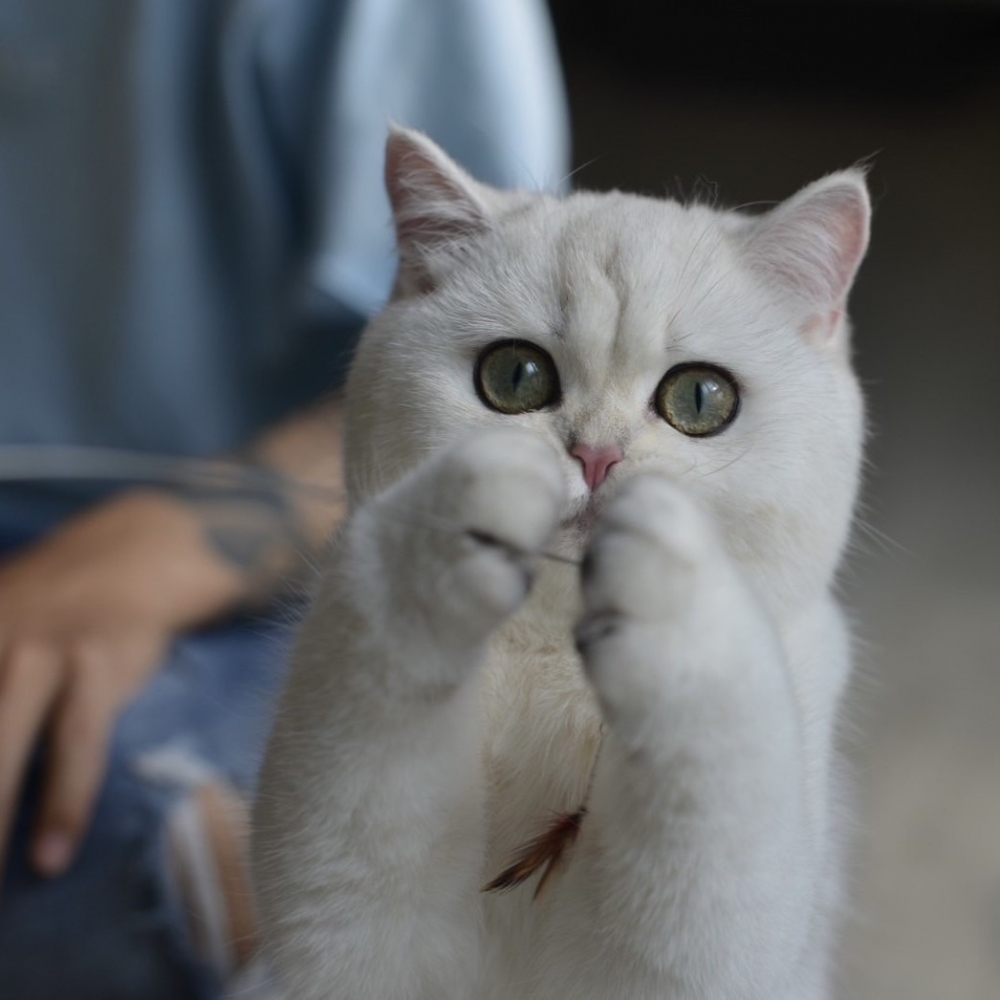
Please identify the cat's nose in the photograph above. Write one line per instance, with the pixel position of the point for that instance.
(596, 462)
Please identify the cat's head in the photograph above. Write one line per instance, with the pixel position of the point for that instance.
(634, 334)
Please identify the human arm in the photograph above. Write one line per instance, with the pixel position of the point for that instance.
(87, 613)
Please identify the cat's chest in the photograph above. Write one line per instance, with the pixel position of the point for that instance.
(542, 733)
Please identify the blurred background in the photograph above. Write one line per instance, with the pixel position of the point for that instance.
(747, 102)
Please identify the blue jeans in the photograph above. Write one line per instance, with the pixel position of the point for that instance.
(111, 928)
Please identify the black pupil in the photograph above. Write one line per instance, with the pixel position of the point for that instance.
(699, 395)
(523, 371)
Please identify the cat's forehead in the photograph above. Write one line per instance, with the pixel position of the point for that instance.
(629, 234)
(624, 278)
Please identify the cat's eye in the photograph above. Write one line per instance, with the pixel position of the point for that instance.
(697, 399)
(515, 376)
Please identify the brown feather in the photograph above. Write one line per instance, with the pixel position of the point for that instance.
(547, 851)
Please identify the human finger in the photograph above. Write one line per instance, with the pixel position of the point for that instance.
(30, 674)
(79, 735)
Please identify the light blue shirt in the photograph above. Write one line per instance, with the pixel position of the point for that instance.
(192, 220)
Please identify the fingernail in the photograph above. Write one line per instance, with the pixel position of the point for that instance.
(53, 853)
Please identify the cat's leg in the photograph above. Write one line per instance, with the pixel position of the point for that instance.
(369, 825)
(694, 876)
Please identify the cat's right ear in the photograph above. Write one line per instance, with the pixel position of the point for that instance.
(810, 246)
(437, 207)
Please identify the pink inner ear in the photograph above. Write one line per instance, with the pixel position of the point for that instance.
(848, 222)
(821, 328)
(813, 244)
(431, 201)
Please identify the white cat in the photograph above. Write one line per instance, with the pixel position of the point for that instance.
(668, 390)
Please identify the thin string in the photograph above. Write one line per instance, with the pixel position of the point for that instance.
(437, 522)
(65, 463)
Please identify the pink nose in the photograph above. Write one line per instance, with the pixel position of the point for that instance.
(596, 462)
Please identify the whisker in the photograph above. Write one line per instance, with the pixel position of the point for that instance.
(885, 542)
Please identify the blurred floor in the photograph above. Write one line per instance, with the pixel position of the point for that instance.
(926, 707)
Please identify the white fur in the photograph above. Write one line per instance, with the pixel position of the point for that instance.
(438, 715)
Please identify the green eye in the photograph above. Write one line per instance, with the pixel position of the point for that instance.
(698, 400)
(514, 376)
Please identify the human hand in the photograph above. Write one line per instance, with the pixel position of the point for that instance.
(85, 616)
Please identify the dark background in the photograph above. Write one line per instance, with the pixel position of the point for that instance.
(750, 101)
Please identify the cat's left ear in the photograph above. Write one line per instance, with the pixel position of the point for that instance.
(438, 209)
(811, 245)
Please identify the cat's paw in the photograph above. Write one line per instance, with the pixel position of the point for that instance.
(656, 584)
(459, 538)
(648, 553)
